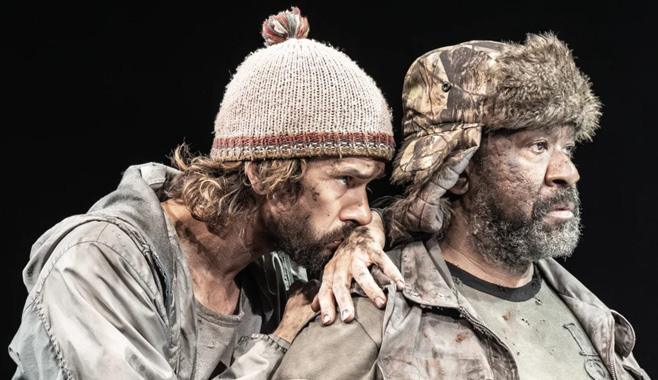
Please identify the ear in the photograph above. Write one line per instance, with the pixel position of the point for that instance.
(461, 186)
(267, 197)
(254, 179)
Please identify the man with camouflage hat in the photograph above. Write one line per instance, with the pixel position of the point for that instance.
(165, 276)
(491, 201)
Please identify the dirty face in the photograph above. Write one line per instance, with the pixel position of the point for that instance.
(334, 202)
(523, 203)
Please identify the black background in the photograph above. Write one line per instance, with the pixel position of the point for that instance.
(93, 88)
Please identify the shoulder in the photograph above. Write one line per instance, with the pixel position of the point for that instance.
(90, 251)
(101, 241)
(367, 322)
(369, 318)
(338, 351)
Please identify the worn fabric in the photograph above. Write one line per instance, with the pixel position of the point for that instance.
(544, 336)
(297, 97)
(431, 331)
(111, 297)
(218, 334)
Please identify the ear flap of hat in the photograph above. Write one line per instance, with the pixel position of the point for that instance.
(423, 210)
(443, 98)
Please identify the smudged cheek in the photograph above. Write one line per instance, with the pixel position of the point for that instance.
(323, 213)
(518, 189)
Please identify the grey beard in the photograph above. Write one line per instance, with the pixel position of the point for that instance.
(517, 244)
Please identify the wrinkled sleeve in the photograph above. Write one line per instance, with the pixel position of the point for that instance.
(338, 351)
(255, 357)
(93, 315)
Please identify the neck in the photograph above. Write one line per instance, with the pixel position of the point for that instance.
(459, 250)
(216, 257)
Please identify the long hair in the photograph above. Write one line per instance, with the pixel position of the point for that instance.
(216, 192)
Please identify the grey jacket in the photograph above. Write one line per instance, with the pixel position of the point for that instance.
(430, 331)
(111, 297)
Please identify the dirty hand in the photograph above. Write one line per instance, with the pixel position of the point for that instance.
(298, 309)
(352, 260)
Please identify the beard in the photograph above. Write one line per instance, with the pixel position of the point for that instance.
(515, 241)
(293, 234)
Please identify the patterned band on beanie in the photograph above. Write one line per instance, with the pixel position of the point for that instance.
(304, 145)
(297, 97)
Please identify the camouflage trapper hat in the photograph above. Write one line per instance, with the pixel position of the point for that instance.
(453, 94)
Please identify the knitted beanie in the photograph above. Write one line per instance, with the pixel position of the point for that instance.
(297, 97)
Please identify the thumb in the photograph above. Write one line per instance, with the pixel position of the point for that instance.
(315, 305)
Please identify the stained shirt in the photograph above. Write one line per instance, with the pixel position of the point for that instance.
(545, 337)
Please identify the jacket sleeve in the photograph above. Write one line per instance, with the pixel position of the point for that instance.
(255, 357)
(338, 351)
(93, 314)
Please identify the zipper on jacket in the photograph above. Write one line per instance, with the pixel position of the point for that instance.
(486, 330)
(612, 351)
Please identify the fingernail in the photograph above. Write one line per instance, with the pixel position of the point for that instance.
(379, 302)
(344, 314)
(400, 284)
(326, 318)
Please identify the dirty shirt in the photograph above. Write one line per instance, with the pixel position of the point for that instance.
(545, 337)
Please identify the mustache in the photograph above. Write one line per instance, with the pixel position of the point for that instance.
(341, 233)
(563, 197)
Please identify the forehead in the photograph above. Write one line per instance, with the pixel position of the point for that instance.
(563, 133)
(354, 166)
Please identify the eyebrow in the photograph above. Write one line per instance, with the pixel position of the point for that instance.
(352, 172)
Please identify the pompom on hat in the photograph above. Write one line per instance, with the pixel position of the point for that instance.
(454, 94)
(297, 97)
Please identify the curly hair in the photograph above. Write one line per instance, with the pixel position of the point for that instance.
(215, 192)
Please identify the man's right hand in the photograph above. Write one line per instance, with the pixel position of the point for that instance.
(298, 309)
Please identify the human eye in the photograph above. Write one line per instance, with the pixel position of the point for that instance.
(343, 180)
(539, 146)
(570, 150)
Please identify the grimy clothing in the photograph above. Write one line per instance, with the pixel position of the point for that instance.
(431, 331)
(533, 322)
(111, 297)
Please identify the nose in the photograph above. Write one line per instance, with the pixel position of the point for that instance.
(357, 208)
(561, 171)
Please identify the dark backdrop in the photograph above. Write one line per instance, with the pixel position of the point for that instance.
(95, 87)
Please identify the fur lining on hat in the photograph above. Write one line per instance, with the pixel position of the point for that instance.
(537, 84)
(530, 85)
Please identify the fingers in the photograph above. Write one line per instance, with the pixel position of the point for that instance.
(327, 305)
(352, 260)
(325, 297)
(297, 311)
(389, 269)
(315, 305)
(296, 286)
(310, 289)
(341, 281)
(341, 289)
(365, 279)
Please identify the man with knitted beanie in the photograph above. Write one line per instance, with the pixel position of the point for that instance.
(161, 278)
(490, 201)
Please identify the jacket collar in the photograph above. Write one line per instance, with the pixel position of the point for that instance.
(137, 201)
(429, 284)
(428, 280)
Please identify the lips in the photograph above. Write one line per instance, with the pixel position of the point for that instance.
(335, 243)
(562, 211)
(564, 207)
